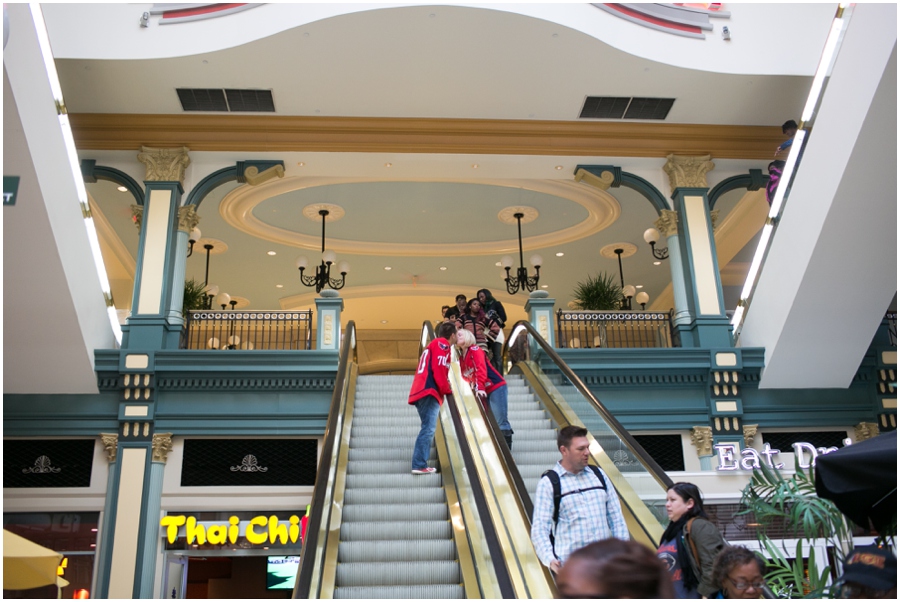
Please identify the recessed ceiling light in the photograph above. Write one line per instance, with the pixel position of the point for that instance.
(384, 321)
(560, 254)
(558, 167)
(387, 268)
(474, 165)
(639, 286)
(279, 286)
(443, 268)
(543, 286)
(271, 253)
(388, 164)
(657, 262)
(301, 163)
(497, 264)
(121, 189)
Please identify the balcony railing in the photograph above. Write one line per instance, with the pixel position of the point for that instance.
(286, 330)
(613, 329)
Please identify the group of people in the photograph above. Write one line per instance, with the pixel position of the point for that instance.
(484, 317)
(578, 529)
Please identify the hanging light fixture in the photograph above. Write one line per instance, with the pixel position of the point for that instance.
(323, 277)
(193, 237)
(522, 280)
(651, 237)
(627, 290)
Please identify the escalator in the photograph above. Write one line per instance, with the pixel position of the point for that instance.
(377, 531)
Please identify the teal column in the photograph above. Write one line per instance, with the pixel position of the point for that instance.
(105, 537)
(155, 321)
(187, 221)
(540, 314)
(161, 445)
(328, 326)
(667, 224)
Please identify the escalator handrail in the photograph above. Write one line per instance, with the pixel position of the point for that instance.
(636, 448)
(501, 570)
(305, 574)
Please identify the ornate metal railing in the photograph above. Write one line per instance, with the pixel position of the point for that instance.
(613, 329)
(235, 329)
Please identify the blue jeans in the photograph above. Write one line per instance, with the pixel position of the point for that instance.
(499, 402)
(428, 408)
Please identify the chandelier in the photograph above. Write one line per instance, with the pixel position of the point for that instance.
(322, 277)
(522, 280)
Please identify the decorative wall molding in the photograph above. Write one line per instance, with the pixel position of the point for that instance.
(42, 465)
(110, 445)
(164, 164)
(161, 445)
(188, 218)
(865, 430)
(260, 383)
(749, 433)
(702, 439)
(688, 172)
(275, 133)
(667, 224)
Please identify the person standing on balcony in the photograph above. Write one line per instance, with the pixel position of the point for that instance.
(486, 382)
(575, 504)
(494, 309)
(429, 387)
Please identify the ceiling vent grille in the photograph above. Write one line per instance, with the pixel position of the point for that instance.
(216, 99)
(617, 107)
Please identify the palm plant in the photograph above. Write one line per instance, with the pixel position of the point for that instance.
(794, 502)
(194, 296)
(600, 292)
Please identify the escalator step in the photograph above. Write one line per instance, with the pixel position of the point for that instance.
(410, 495)
(413, 592)
(397, 551)
(351, 574)
(398, 432)
(377, 512)
(406, 480)
(394, 530)
(385, 454)
(380, 467)
(547, 457)
(385, 421)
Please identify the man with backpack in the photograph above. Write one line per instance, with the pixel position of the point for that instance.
(575, 503)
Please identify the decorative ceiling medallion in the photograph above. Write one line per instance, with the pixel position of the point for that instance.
(609, 251)
(237, 211)
(508, 215)
(335, 212)
(218, 246)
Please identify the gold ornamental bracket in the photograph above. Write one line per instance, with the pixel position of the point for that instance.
(688, 172)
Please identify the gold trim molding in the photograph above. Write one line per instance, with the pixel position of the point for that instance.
(268, 133)
(161, 445)
(238, 205)
(688, 172)
(702, 439)
(164, 164)
(110, 445)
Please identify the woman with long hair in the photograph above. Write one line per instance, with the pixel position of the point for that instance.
(690, 543)
(487, 383)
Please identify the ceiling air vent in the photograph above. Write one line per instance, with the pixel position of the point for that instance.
(604, 107)
(616, 107)
(216, 99)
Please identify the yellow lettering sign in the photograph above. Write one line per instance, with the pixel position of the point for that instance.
(259, 530)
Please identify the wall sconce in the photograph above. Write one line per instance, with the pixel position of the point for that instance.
(651, 236)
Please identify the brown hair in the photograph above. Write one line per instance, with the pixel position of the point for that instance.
(567, 433)
(731, 557)
(623, 569)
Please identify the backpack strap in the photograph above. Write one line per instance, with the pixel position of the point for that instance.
(599, 475)
(553, 476)
(687, 534)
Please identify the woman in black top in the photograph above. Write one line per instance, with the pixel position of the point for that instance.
(494, 309)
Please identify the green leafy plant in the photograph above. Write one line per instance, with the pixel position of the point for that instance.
(600, 292)
(793, 502)
(194, 296)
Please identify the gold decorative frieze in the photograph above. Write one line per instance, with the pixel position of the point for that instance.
(667, 224)
(161, 445)
(749, 434)
(865, 430)
(702, 439)
(188, 218)
(254, 177)
(110, 444)
(164, 164)
(688, 172)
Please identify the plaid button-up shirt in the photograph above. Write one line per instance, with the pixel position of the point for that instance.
(584, 516)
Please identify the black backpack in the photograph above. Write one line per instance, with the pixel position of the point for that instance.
(558, 495)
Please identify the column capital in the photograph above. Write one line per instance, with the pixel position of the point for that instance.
(137, 216)
(164, 164)
(667, 224)
(714, 219)
(110, 444)
(161, 444)
(188, 218)
(749, 434)
(702, 438)
(688, 172)
(865, 430)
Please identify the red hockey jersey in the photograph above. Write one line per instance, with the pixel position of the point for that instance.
(431, 375)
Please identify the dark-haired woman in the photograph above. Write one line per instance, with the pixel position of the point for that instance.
(612, 568)
(690, 543)
(478, 323)
(494, 309)
(738, 573)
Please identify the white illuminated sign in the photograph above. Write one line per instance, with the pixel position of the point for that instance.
(731, 457)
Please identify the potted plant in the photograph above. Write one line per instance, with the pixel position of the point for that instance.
(194, 296)
(600, 292)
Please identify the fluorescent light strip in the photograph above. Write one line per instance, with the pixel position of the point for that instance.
(756, 264)
(787, 174)
(50, 65)
(824, 66)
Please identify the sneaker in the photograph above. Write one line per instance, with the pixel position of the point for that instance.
(426, 470)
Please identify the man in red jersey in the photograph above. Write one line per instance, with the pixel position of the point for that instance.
(427, 394)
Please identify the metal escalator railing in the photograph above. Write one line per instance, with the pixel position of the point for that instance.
(337, 563)
(638, 479)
